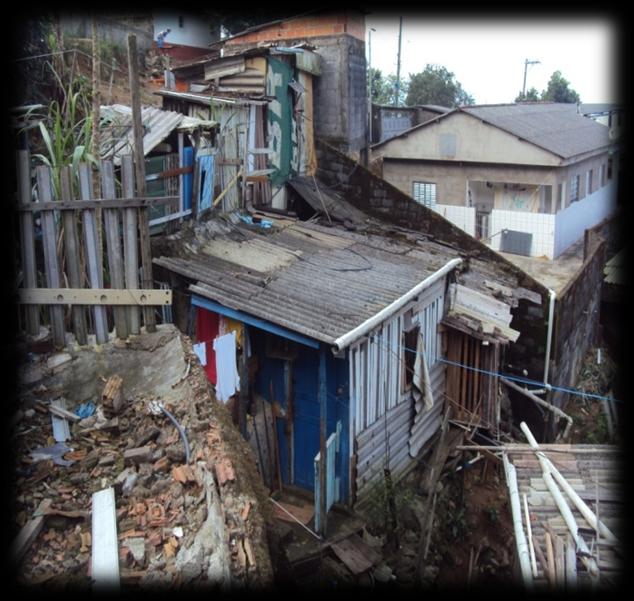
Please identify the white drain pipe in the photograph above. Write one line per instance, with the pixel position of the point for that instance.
(369, 324)
(549, 336)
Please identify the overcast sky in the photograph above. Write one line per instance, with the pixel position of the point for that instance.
(487, 56)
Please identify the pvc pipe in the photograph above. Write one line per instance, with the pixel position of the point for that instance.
(549, 335)
(581, 505)
(369, 324)
(564, 509)
(516, 511)
(530, 537)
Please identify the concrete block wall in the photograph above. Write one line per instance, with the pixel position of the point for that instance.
(577, 321)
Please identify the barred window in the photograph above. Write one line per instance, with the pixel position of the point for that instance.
(424, 193)
(574, 188)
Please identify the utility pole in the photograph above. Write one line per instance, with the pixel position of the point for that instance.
(526, 63)
(369, 95)
(397, 87)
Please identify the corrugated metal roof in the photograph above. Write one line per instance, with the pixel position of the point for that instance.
(319, 281)
(556, 127)
(614, 270)
(117, 133)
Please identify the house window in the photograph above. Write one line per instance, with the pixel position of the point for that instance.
(609, 169)
(410, 339)
(181, 22)
(602, 175)
(589, 183)
(424, 193)
(574, 188)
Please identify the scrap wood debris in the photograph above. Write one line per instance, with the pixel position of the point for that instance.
(161, 501)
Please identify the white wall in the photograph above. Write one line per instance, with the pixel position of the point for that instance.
(463, 217)
(195, 31)
(585, 213)
(541, 225)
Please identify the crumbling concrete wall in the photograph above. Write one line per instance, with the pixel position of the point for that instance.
(577, 321)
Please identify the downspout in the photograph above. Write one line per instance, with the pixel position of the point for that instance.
(549, 337)
(369, 324)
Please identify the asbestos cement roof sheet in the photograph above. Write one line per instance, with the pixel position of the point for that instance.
(316, 280)
(556, 127)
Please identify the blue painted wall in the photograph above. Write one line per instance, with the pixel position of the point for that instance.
(306, 408)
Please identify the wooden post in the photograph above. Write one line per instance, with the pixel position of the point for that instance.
(147, 280)
(72, 249)
(323, 414)
(243, 397)
(27, 236)
(95, 274)
(113, 245)
(49, 242)
(130, 242)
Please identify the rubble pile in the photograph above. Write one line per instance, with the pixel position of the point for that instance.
(87, 421)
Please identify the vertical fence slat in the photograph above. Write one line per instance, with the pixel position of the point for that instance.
(113, 244)
(71, 250)
(130, 241)
(49, 243)
(27, 240)
(95, 274)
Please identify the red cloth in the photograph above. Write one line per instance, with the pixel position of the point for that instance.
(207, 327)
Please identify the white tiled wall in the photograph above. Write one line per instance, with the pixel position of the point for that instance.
(572, 221)
(541, 225)
(463, 217)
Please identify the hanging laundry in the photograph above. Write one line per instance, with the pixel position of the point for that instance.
(421, 380)
(228, 380)
(207, 328)
(201, 353)
(228, 325)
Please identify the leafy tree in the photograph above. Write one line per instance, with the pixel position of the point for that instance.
(531, 95)
(381, 91)
(436, 85)
(558, 90)
(384, 88)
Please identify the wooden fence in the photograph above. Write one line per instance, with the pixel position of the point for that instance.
(83, 288)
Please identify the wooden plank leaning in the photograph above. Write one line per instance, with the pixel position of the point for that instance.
(139, 160)
(113, 245)
(27, 240)
(71, 252)
(95, 274)
(130, 241)
(49, 242)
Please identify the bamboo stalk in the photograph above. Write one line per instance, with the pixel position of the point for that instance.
(550, 557)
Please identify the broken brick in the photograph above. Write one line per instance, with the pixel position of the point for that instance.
(183, 474)
(224, 471)
(137, 455)
(162, 465)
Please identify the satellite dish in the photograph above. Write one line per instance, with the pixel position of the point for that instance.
(612, 133)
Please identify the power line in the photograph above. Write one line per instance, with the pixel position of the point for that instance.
(526, 381)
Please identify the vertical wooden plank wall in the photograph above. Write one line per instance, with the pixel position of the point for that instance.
(113, 244)
(130, 241)
(49, 242)
(95, 274)
(28, 240)
(72, 257)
